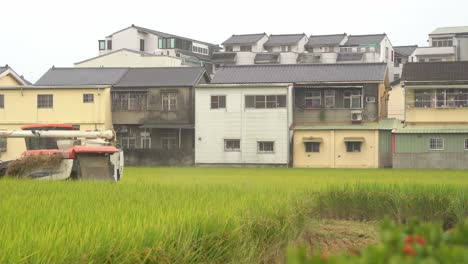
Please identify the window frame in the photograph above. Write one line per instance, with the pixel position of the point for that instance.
(226, 141)
(466, 144)
(109, 44)
(265, 101)
(217, 101)
(142, 44)
(169, 139)
(102, 44)
(329, 96)
(3, 144)
(127, 140)
(261, 147)
(351, 97)
(86, 98)
(169, 99)
(433, 140)
(309, 96)
(50, 101)
(145, 137)
(2, 101)
(312, 149)
(351, 146)
(127, 101)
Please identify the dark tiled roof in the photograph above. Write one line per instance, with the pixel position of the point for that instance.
(435, 71)
(223, 57)
(161, 77)
(2, 69)
(285, 39)
(349, 57)
(325, 40)
(16, 75)
(364, 39)
(266, 58)
(244, 39)
(405, 50)
(81, 76)
(301, 73)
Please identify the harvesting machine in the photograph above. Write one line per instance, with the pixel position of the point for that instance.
(62, 151)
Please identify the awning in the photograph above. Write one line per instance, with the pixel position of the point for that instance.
(354, 139)
(312, 139)
(169, 126)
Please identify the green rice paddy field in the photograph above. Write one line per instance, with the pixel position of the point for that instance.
(209, 215)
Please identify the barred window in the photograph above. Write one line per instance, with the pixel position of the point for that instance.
(265, 101)
(436, 144)
(312, 146)
(2, 101)
(3, 144)
(218, 101)
(169, 101)
(88, 98)
(45, 101)
(232, 145)
(128, 101)
(265, 146)
(313, 99)
(352, 98)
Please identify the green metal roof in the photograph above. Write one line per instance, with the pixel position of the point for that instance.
(434, 129)
(385, 124)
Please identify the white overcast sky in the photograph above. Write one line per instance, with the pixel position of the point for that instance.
(36, 34)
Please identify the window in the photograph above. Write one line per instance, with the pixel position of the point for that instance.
(466, 143)
(128, 142)
(145, 138)
(352, 98)
(436, 144)
(386, 53)
(45, 101)
(442, 98)
(218, 101)
(265, 146)
(312, 146)
(422, 98)
(346, 50)
(353, 146)
(329, 98)
(397, 62)
(228, 48)
(245, 48)
(169, 101)
(2, 101)
(109, 44)
(392, 57)
(88, 98)
(265, 101)
(232, 145)
(313, 99)
(128, 101)
(168, 140)
(142, 45)
(443, 42)
(102, 44)
(3, 144)
(285, 48)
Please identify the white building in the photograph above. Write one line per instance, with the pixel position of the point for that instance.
(243, 123)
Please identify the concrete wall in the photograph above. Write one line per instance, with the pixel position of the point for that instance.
(396, 102)
(213, 126)
(127, 38)
(124, 58)
(158, 157)
(8, 80)
(434, 160)
(245, 58)
(21, 109)
(333, 149)
(288, 58)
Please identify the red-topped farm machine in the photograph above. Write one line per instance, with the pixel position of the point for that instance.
(62, 151)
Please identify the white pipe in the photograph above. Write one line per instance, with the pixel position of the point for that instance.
(108, 134)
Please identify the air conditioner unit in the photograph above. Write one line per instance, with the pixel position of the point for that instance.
(370, 99)
(356, 116)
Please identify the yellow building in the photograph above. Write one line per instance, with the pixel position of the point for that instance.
(8, 77)
(87, 106)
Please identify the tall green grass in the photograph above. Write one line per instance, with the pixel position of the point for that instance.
(194, 215)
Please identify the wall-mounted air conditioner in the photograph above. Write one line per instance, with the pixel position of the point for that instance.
(356, 115)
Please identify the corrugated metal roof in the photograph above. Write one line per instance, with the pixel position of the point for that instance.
(285, 39)
(244, 39)
(449, 30)
(435, 71)
(161, 77)
(349, 57)
(354, 40)
(405, 50)
(325, 40)
(284, 73)
(434, 129)
(266, 58)
(82, 76)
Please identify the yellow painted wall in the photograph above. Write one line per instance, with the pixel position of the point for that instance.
(130, 59)
(396, 103)
(21, 109)
(437, 115)
(8, 80)
(333, 149)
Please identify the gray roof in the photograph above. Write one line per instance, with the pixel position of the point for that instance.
(325, 40)
(3, 68)
(161, 77)
(301, 73)
(6, 67)
(405, 50)
(449, 30)
(223, 57)
(349, 57)
(266, 58)
(244, 39)
(435, 71)
(285, 39)
(81, 76)
(354, 40)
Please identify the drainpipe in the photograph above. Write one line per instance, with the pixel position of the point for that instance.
(393, 142)
(180, 134)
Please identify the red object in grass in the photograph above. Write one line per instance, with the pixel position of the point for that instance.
(409, 239)
(409, 250)
(420, 240)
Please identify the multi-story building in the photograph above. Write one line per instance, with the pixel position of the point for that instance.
(8, 77)
(403, 55)
(323, 48)
(151, 109)
(157, 49)
(445, 44)
(435, 130)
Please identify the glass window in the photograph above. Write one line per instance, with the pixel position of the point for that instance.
(169, 101)
(353, 146)
(102, 44)
(218, 101)
(2, 101)
(128, 142)
(423, 98)
(265, 101)
(45, 101)
(436, 144)
(232, 145)
(352, 98)
(313, 99)
(265, 146)
(88, 98)
(128, 101)
(172, 43)
(312, 146)
(142, 45)
(160, 43)
(145, 138)
(168, 140)
(329, 98)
